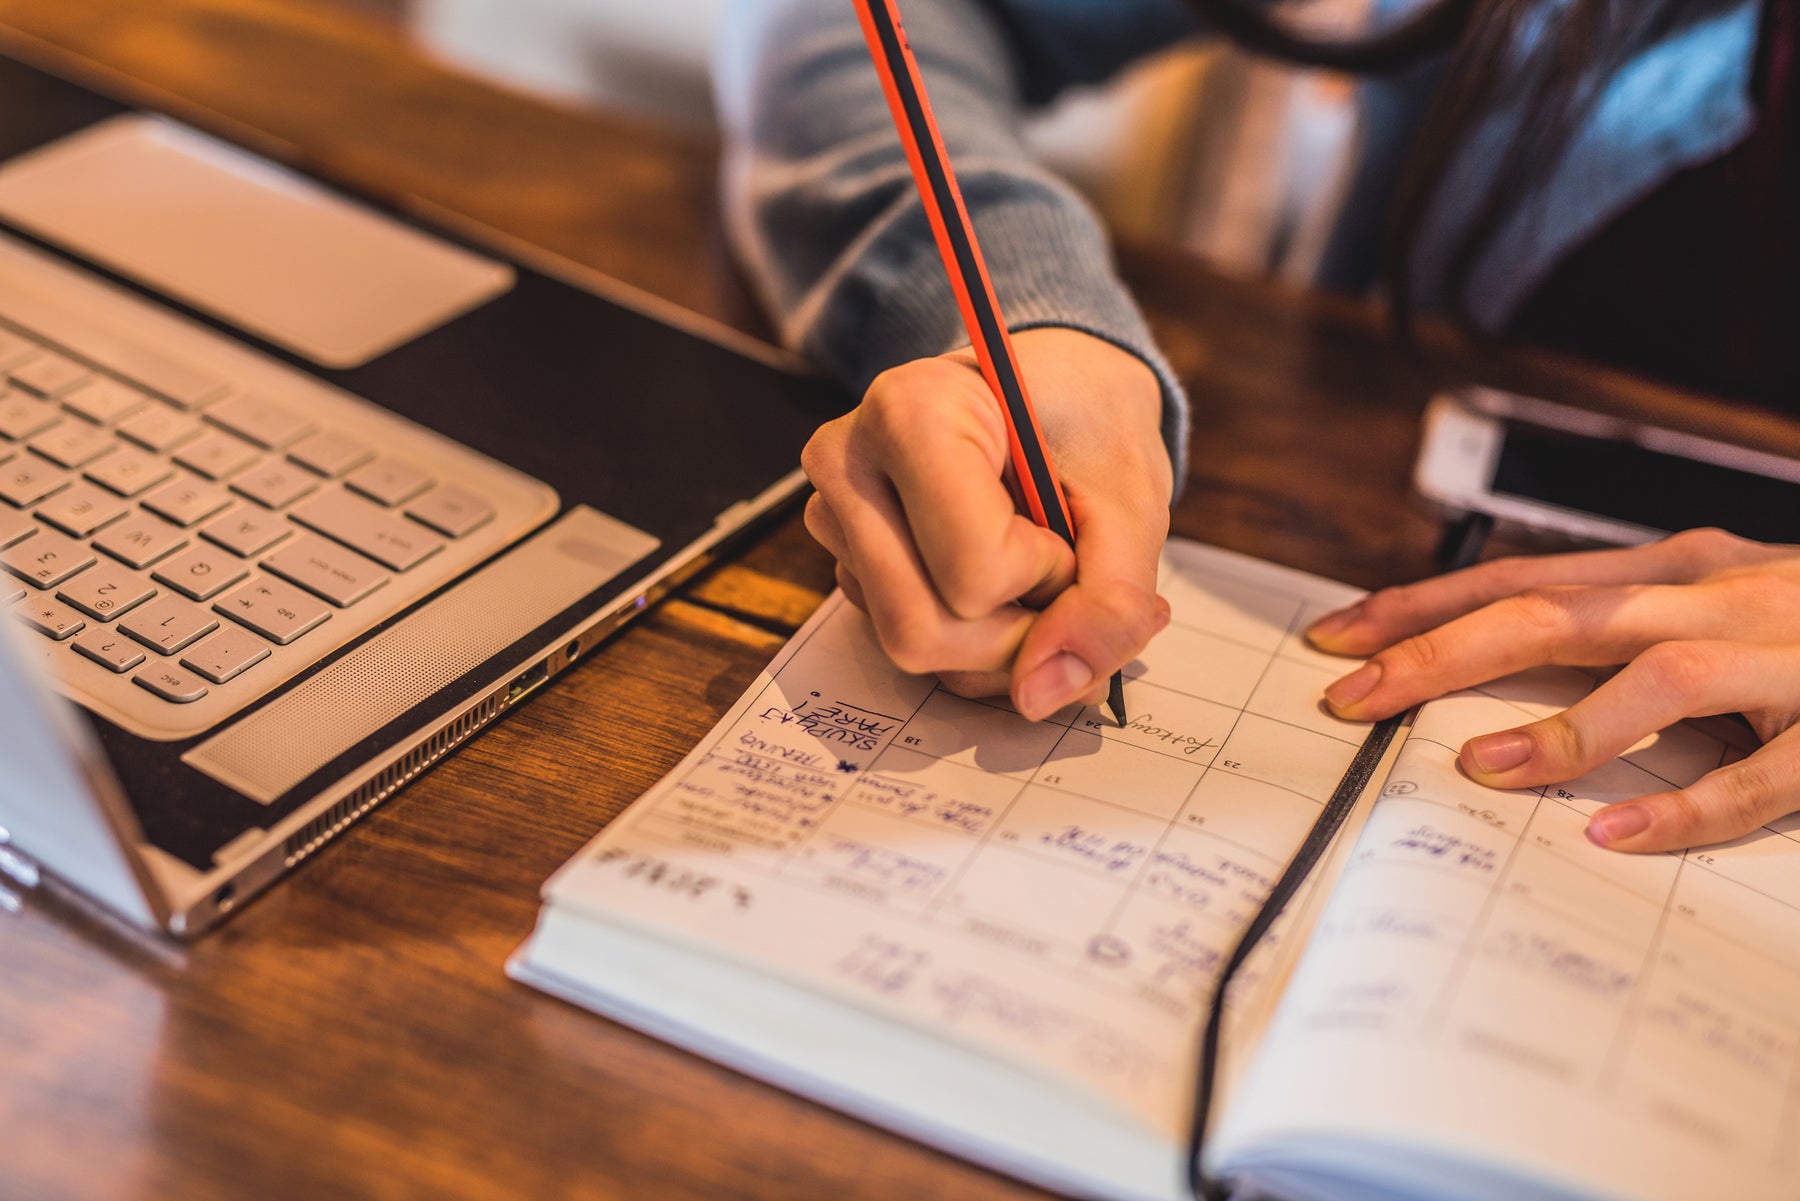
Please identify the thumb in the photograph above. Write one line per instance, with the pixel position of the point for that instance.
(1102, 620)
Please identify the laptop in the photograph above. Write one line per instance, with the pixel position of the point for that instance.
(297, 494)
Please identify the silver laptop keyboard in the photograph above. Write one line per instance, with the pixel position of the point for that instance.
(182, 545)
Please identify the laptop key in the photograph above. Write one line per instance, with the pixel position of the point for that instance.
(247, 531)
(263, 422)
(276, 483)
(160, 427)
(325, 569)
(47, 560)
(389, 481)
(278, 611)
(103, 401)
(15, 348)
(49, 374)
(22, 415)
(218, 456)
(14, 526)
(74, 443)
(391, 541)
(150, 367)
(451, 510)
(141, 540)
(226, 655)
(169, 623)
(331, 455)
(170, 683)
(187, 502)
(129, 471)
(202, 573)
(30, 478)
(81, 509)
(106, 592)
(50, 619)
(11, 592)
(110, 649)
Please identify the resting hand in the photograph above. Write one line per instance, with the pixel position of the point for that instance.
(1703, 623)
(912, 502)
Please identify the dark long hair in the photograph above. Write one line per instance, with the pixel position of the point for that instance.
(1553, 77)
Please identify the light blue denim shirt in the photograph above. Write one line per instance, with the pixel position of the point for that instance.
(822, 213)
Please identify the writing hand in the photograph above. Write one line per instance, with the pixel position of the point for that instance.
(1703, 623)
(911, 501)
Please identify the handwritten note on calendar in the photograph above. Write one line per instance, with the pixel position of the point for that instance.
(1063, 891)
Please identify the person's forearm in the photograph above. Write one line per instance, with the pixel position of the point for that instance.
(823, 212)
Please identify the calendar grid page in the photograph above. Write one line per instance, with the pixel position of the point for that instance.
(1487, 980)
(1060, 894)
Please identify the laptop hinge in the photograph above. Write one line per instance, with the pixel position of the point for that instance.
(15, 865)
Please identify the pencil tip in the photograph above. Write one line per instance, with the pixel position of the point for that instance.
(1115, 698)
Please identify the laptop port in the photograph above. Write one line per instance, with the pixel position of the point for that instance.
(527, 681)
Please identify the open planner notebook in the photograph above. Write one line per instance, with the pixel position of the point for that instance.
(1000, 938)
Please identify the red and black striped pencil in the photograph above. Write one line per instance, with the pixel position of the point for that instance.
(950, 225)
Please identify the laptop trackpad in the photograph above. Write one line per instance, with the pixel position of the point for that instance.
(244, 240)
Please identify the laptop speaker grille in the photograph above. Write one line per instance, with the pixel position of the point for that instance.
(391, 779)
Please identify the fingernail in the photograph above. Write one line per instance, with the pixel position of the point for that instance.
(1333, 624)
(1355, 686)
(1615, 823)
(1053, 684)
(1163, 615)
(1495, 753)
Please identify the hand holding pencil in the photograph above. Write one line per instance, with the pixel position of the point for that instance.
(913, 492)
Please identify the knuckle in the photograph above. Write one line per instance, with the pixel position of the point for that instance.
(1544, 609)
(914, 643)
(1682, 813)
(1706, 548)
(1423, 654)
(1680, 670)
(1504, 577)
(969, 586)
(1128, 610)
(922, 401)
(1560, 741)
(902, 380)
(1386, 607)
(1738, 798)
(885, 416)
(820, 453)
(817, 515)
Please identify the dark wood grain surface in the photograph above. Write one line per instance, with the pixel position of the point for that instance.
(351, 1033)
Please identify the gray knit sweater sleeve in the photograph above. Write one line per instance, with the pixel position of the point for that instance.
(821, 207)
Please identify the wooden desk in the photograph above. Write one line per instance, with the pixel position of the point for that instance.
(351, 1034)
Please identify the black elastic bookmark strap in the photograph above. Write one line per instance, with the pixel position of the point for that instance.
(1460, 547)
(1356, 778)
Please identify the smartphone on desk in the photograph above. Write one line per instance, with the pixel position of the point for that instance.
(1596, 478)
